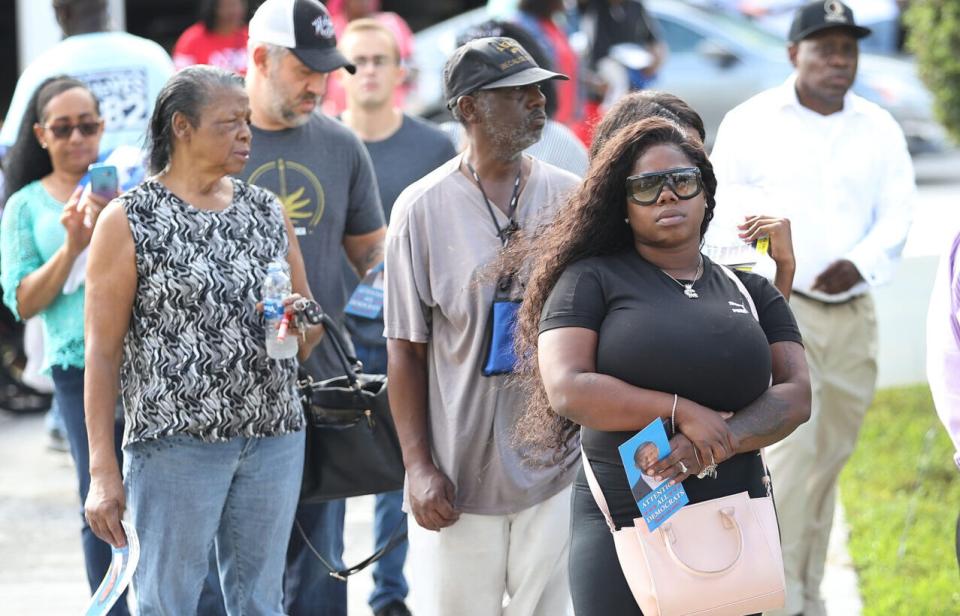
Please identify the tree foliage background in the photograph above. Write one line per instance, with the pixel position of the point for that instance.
(934, 27)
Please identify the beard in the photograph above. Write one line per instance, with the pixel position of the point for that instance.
(510, 140)
(285, 106)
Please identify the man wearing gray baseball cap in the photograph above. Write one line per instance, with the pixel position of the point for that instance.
(487, 520)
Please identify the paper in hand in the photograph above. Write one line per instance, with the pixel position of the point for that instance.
(657, 500)
(122, 565)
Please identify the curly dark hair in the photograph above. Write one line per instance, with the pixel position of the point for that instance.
(645, 104)
(589, 224)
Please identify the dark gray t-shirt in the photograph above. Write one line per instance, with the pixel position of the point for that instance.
(323, 176)
(416, 149)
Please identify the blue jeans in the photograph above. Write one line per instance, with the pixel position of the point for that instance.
(238, 496)
(389, 582)
(68, 396)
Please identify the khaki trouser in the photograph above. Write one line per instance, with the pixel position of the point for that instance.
(841, 345)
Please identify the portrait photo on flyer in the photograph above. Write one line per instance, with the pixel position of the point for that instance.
(657, 501)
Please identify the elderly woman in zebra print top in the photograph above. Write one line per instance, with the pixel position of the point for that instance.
(213, 452)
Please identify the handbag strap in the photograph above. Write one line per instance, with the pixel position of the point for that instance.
(337, 340)
(596, 491)
(753, 310)
(398, 536)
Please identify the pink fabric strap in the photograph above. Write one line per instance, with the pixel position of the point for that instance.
(596, 491)
(753, 309)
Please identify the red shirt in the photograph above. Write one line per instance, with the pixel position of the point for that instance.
(566, 62)
(197, 45)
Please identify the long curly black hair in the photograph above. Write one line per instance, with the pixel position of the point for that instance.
(589, 224)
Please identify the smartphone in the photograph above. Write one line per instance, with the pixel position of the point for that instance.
(103, 180)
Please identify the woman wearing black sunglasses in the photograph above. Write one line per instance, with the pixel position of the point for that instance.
(624, 322)
(637, 106)
(46, 226)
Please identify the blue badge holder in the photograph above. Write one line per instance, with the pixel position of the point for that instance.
(500, 357)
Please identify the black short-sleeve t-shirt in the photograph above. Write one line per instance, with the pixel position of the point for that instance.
(710, 350)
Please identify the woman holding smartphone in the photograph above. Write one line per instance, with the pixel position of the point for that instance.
(47, 223)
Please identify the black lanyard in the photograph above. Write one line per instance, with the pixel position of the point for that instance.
(506, 232)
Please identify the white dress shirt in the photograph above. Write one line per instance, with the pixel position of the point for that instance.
(844, 180)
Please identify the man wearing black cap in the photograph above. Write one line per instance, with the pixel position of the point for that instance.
(324, 178)
(837, 166)
(488, 520)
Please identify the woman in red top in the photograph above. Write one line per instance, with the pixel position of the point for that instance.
(219, 38)
(538, 17)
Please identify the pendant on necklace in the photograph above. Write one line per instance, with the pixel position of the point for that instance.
(689, 291)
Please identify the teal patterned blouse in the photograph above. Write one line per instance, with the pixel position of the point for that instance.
(30, 234)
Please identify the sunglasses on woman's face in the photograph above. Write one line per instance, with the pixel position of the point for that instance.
(63, 131)
(645, 189)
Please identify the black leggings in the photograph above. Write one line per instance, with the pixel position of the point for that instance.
(597, 584)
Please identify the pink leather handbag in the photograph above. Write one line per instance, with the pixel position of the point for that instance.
(716, 558)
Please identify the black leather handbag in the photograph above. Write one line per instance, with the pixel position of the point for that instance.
(352, 447)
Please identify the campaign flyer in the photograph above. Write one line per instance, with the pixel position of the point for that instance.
(657, 501)
(123, 563)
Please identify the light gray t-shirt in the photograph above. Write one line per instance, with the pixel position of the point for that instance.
(323, 176)
(440, 244)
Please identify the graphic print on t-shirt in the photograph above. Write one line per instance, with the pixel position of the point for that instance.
(124, 102)
(298, 188)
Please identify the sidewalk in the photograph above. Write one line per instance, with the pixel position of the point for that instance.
(41, 566)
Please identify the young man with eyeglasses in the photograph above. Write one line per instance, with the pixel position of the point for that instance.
(403, 150)
(487, 521)
(838, 167)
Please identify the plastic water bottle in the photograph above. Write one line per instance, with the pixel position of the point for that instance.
(277, 286)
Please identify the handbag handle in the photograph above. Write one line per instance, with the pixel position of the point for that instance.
(728, 517)
(333, 332)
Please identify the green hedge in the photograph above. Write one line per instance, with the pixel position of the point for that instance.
(934, 27)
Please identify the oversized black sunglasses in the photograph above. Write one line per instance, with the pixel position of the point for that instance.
(645, 189)
(63, 131)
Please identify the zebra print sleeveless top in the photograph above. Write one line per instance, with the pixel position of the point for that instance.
(195, 361)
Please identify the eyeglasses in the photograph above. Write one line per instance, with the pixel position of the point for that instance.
(377, 61)
(63, 131)
(645, 189)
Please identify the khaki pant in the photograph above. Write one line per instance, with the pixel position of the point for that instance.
(493, 565)
(841, 345)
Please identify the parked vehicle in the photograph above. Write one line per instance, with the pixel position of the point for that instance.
(717, 61)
